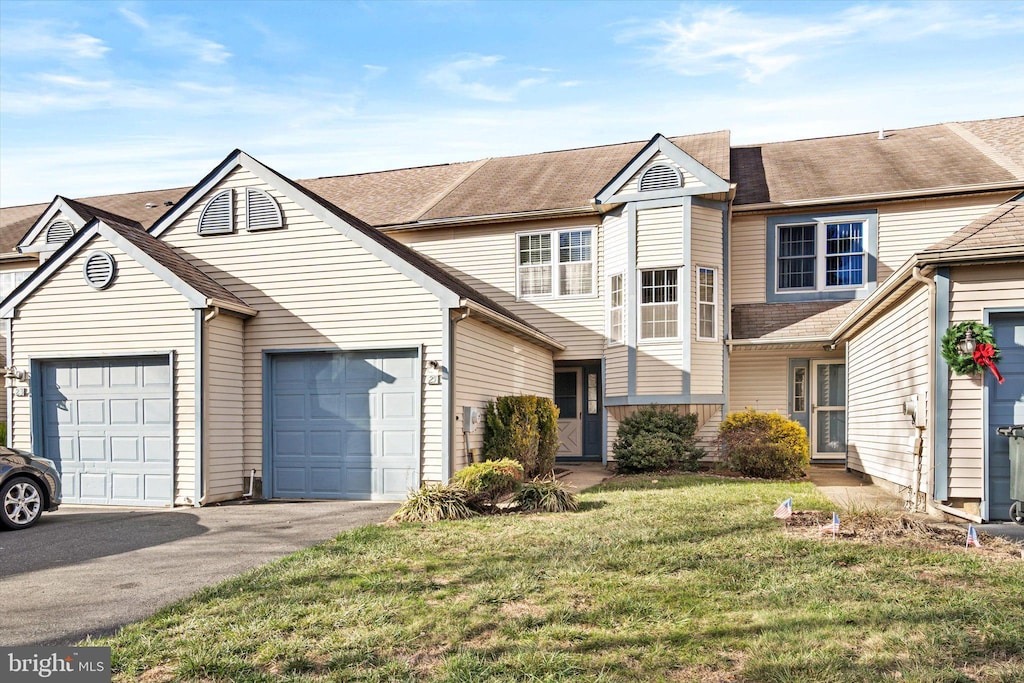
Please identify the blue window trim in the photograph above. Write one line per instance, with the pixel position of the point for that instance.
(870, 220)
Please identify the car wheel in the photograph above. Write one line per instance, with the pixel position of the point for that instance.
(21, 503)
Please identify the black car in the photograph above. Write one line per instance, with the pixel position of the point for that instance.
(28, 486)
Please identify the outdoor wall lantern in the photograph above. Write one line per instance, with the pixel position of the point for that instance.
(967, 345)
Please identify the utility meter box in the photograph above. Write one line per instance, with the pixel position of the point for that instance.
(471, 419)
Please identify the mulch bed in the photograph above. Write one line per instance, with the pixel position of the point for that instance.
(899, 529)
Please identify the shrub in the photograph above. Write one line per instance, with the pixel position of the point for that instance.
(491, 478)
(765, 445)
(524, 429)
(547, 495)
(434, 502)
(656, 438)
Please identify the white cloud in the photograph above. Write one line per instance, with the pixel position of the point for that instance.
(462, 77)
(167, 33)
(73, 81)
(706, 40)
(49, 39)
(373, 71)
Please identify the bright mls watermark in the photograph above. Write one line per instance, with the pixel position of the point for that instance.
(77, 664)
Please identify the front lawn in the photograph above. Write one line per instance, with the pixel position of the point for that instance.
(688, 578)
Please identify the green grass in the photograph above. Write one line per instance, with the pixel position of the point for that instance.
(689, 578)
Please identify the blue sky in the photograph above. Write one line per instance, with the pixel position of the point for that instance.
(110, 97)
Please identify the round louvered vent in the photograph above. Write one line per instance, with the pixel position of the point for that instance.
(99, 269)
(660, 177)
(261, 211)
(59, 232)
(218, 216)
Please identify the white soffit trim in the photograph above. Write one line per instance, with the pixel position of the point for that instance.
(659, 143)
(57, 206)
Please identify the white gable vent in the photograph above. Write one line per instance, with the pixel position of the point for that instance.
(218, 216)
(59, 232)
(99, 269)
(261, 211)
(660, 177)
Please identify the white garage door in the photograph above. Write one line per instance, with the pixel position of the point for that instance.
(344, 425)
(107, 424)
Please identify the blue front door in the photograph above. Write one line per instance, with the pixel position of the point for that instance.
(1005, 407)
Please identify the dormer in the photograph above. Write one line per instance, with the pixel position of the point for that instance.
(661, 170)
(56, 226)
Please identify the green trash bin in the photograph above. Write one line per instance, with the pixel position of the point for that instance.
(1016, 435)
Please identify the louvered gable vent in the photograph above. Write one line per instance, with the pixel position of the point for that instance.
(261, 211)
(218, 216)
(99, 269)
(660, 177)
(59, 232)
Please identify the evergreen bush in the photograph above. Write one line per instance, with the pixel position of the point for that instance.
(656, 438)
(765, 445)
(524, 429)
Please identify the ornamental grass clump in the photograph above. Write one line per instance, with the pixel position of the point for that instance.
(435, 502)
(656, 438)
(764, 445)
(546, 495)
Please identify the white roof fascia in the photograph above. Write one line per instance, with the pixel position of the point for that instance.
(58, 205)
(43, 272)
(659, 143)
(512, 326)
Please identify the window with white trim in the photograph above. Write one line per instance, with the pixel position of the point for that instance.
(543, 271)
(820, 256)
(659, 304)
(707, 304)
(616, 308)
(799, 389)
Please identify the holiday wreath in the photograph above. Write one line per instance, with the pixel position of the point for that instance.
(984, 355)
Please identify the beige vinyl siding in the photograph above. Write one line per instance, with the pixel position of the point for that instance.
(972, 290)
(138, 313)
(223, 421)
(633, 184)
(485, 258)
(490, 363)
(616, 370)
(905, 228)
(747, 259)
(706, 357)
(759, 378)
(659, 368)
(616, 243)
(886, 364)
(315, 289)
(659, 237)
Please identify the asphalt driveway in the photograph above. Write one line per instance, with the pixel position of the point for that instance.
(89, 570)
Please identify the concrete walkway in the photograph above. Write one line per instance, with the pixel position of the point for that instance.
(850, 491)
(583, 475)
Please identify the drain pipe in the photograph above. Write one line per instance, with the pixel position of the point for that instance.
(252, 484)
(929, 282)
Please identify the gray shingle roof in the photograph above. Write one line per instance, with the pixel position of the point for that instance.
(1003, 226)
(798, 320)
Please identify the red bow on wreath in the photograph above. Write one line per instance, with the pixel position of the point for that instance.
(983, 355)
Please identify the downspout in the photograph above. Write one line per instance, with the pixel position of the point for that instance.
(929, 282)
(447, 465)
(200, 367)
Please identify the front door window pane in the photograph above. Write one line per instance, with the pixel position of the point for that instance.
(831, 431)
(831, 385)
(565, 394)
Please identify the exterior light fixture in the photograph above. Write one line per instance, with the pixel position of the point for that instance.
(967, 345)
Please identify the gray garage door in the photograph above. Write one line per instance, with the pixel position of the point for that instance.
(344, 425)
(107, 423)
(1005, 407)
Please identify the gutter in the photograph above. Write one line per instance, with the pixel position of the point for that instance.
(220, 304)
(761, 341)
(950, 190)
(520, 330)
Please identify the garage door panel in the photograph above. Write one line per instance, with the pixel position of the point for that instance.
(357, 417)
(109, 432)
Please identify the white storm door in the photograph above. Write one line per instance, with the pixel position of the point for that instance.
(828, 410)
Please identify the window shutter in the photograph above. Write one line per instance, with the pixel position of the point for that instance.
(261, 211)
(99, 269)
(59, 232)
(218, 216)
(660, 177)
